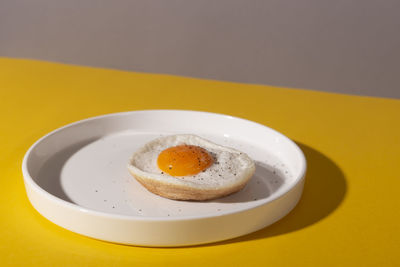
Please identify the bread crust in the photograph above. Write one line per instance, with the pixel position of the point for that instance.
(181, 192)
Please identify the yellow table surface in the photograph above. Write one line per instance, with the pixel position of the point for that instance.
(349, 212)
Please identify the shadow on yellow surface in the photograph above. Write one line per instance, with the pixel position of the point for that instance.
(324, 190)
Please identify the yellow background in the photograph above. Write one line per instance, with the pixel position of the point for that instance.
(348, 215)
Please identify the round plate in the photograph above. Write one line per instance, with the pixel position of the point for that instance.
(77, 177)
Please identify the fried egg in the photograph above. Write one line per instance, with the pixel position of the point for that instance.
(188, 167)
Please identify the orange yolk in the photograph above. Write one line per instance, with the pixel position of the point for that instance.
(184, 160)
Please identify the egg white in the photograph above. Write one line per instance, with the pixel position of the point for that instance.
(230, 165)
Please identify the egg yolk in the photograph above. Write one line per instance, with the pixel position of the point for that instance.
(184, 160)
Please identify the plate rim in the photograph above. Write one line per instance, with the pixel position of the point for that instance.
(28, 178)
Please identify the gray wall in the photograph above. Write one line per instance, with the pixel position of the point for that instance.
(336, 45)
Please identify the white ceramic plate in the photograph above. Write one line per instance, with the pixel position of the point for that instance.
(77, 177)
